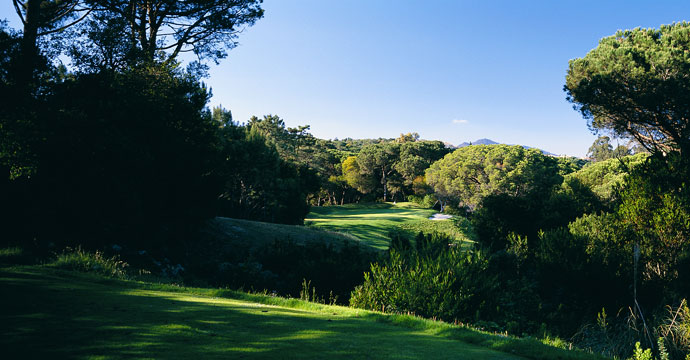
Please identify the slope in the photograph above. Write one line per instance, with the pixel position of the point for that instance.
(255, 233)
(51, 313)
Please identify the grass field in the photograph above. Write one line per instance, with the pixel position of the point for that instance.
(255, 233)
(372, 223)
(52, 313)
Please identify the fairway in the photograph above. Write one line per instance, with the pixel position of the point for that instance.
(49, 313)
(372, 223)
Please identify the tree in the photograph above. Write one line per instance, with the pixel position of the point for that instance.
(604, 178)
(378, 160)
(123, 158)
(354, 177)
(166, 28)
(417, 156)
(656, 204)
(409, 137)
(258, 183)
(473, 172)
(396, 165)
(40, 18)
(602, 150)
(635, 84)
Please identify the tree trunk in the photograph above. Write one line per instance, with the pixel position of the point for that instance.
(383, 181)
(29, 49)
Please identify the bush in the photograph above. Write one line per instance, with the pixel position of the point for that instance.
(425, 201)
(431, 279)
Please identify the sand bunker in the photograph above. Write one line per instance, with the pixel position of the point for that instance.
(440, 217)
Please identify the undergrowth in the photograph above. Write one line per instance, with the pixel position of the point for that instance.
(84, 261)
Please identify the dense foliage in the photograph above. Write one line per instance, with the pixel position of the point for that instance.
(604, 178)
(259, 184)
(429, 278)
(550, 261)
(395, 167)
(473, 172)
(635, 83)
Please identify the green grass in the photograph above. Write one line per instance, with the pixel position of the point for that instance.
(255, 233)
(48, 312)
(372, 223)
(458, 228)
(367, 224)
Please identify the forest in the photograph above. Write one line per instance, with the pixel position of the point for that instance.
(120, 154)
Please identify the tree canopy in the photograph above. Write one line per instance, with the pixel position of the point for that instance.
(396, 165)
(473, 172)
(604, 178)
(635, 84)
(204, 27)
(116, 34)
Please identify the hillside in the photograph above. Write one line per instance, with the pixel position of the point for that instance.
(52, 313)
(256, 233)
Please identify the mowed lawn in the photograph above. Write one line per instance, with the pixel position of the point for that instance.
(372, 223)
(47, 313)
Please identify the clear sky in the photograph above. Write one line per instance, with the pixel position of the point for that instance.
(450, 70)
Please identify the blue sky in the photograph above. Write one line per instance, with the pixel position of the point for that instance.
(450, 70)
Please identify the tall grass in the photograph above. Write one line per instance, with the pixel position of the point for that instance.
(84, 261)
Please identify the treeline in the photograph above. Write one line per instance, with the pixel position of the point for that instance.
(349, 171)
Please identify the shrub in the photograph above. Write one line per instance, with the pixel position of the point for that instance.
(426, 201)
(641, 354)
(429, 279)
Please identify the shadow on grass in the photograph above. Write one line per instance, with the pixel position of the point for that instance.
(65, 315)
(375, 236)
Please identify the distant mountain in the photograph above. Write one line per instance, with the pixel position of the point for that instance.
(491, 142)
(449, 145)
(479, 142)
(542, 151)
